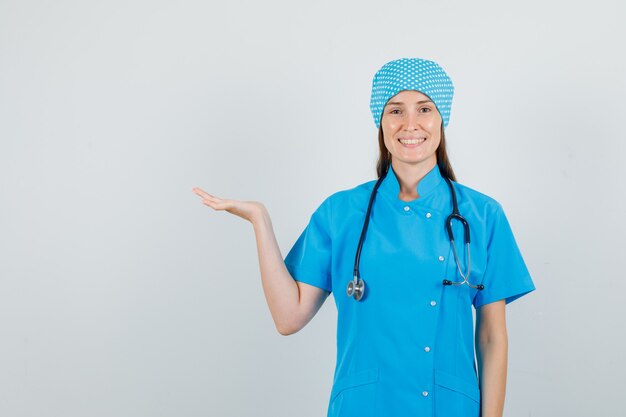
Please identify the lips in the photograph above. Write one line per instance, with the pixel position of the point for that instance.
(412, 141)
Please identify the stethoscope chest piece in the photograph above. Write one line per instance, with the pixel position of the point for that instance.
(356, 288)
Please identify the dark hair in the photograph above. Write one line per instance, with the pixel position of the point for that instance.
(384, 158)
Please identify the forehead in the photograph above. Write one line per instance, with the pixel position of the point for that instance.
(409, 97)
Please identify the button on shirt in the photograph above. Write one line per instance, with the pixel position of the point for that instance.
(407, 347)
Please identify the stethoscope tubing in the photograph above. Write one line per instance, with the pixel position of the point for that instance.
(356, 287)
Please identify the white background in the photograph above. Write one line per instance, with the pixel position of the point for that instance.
(121, 294)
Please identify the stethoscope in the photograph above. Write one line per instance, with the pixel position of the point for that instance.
(356, 287)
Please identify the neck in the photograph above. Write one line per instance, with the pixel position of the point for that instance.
(409, 176)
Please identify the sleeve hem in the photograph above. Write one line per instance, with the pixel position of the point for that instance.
(508, 296)
(309, 276)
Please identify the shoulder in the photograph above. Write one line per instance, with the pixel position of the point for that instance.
(350, 196)
(345, 203)
(341, 206)
(484, 213)
(477, 202)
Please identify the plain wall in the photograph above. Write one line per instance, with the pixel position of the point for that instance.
(121, 294)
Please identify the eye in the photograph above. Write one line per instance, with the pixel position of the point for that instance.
(426, 108)
(394, 110)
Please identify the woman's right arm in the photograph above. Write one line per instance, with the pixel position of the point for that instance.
(292, 303)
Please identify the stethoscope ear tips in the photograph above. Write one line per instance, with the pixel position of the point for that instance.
(478, 287)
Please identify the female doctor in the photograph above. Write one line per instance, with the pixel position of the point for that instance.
(407, 256)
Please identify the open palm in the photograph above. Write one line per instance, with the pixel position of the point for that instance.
(244, 209)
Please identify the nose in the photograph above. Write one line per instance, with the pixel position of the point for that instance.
(411, 121)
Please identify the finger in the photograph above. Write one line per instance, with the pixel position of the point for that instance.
(200, 192)
(216, 204)
(210, 203)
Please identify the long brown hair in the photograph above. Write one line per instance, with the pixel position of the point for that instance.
(384, 158)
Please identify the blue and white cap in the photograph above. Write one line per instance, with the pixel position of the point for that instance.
(418, 74)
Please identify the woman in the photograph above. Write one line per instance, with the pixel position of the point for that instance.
(405, 335)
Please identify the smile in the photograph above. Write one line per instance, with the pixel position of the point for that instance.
(412, 142)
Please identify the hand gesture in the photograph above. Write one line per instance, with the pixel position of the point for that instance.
(245, 209)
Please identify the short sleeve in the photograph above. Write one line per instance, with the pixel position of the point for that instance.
(506, 275)
(309, 260)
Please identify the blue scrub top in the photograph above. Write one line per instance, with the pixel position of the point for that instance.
(407, 348)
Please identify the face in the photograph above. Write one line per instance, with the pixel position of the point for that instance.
(411, 127)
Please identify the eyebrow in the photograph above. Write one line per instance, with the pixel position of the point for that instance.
(393, 103)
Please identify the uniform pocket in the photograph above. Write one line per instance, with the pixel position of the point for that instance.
(455, 396)
(354, 394)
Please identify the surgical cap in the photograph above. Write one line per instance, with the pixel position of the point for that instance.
(418, 74)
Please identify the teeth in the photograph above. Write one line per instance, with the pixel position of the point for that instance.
(412, 141)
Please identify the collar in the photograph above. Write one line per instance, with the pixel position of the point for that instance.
(391, 187)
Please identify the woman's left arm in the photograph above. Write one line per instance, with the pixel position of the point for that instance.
(491, 352)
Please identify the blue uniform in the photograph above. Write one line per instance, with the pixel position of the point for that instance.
(407, 348)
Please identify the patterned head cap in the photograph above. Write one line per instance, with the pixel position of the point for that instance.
(418, 74)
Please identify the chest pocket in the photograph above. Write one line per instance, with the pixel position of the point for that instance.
(354, 394)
